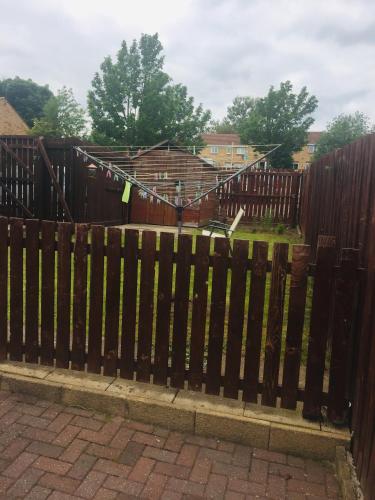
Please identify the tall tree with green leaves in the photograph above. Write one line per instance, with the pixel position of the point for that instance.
(27, 97)
(281, 117)
(133, 101)
(62, 117)
(342, 130)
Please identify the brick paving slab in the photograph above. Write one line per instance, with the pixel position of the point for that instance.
(50, 451)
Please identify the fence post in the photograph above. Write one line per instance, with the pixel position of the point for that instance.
(3, 287)
(319, 325)
(344, 295)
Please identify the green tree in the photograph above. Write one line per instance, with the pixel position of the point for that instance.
(342, 130)
(281, 117)
(133, 101)
(239, 111)
(27, 97)
(62, 117)
(221, 127)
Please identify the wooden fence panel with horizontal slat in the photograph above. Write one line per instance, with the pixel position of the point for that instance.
(220, 286)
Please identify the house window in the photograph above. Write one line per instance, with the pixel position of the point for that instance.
(311, 148)
(229, 150)
(295, 166)
(241, 151)
(214, 150)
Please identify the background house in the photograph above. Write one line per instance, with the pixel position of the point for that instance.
(10, 121)
(226, 150)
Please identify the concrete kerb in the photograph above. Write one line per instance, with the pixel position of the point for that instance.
(180, 410)
(346, 475)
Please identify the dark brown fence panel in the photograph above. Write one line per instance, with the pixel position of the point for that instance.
(64, 235)
(146, 306)
(48, 292)
(3, 287)
(320, 316)
(96, 300)
(112, 303)
(181, 309)
(255, 320)
(296, 316)
(217, 316)
(164, 303)
(236, 319)
(271, 194)
(32, 291)
(344, 300)
(275, 324)
(129, 307)
(16, 289)
(199, 314)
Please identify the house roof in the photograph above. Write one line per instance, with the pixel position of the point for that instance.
(313, 137)
(221, 139)
(10, 121)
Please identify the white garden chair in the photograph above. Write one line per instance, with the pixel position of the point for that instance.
(227, 230)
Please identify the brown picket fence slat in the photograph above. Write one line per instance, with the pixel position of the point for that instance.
(255, 320)
(16, 291)
(274, 324)
(3, 287)
(236, 318)
(319, 325)
(146, 306)
(199, 313)
(217, 315)
(112, 304)
(48, 292)
(181, 308)
(164, 304)
(32, 291)
(64, 258)
(80, 297)
(95, 340)
(296, 316)
(129, 307)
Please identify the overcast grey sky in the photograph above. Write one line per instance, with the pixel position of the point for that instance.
(218, 48)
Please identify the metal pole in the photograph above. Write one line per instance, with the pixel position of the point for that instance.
(179, 210)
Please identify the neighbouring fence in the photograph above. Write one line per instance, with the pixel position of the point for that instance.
(45, 179)
(154, 309)
(271, 195)
(339, 199)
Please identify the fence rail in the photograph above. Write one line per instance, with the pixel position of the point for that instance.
(91, 299)
(263, 194)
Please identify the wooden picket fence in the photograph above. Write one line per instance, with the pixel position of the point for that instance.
(91, 299)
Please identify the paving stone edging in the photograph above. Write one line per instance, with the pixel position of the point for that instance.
(271, 429)
(346, 475)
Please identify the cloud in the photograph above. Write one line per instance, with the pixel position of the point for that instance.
(218, 48)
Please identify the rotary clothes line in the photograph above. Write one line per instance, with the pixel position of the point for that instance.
(165, 173)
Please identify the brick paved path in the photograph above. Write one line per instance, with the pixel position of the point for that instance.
(56, 452)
